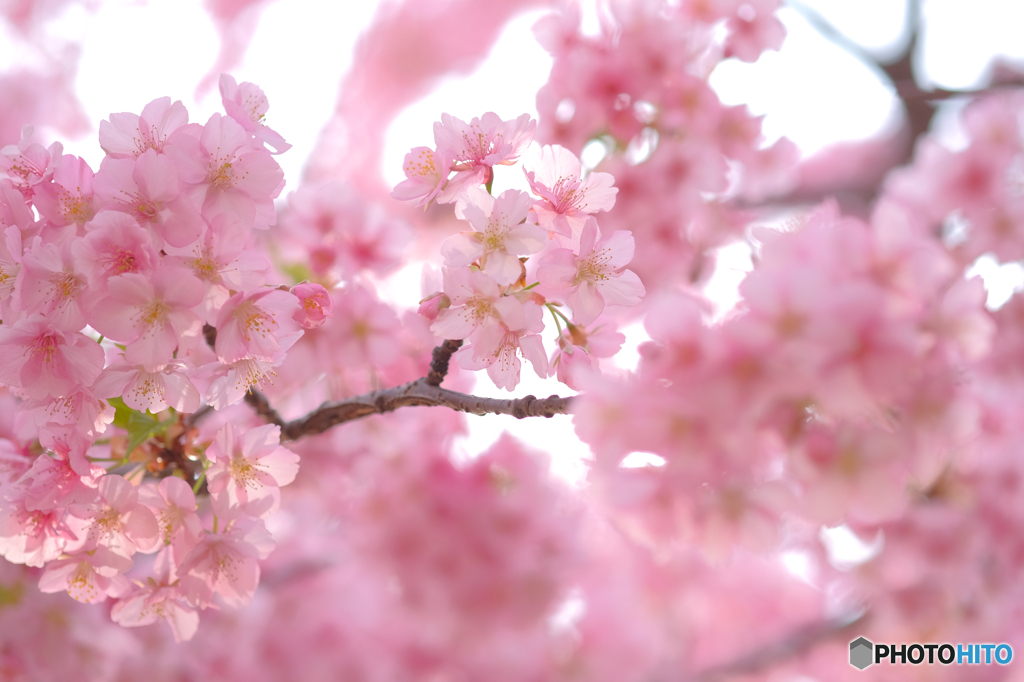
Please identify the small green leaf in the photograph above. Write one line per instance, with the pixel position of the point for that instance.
(121, 414)
(140, 427)
(10, 595)
(298, 272)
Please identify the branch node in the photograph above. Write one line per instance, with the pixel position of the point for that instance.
(439, 362)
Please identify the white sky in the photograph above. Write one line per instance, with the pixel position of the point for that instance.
(812, 91)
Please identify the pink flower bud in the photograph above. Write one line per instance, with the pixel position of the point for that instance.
(433, 304)
(317, 305)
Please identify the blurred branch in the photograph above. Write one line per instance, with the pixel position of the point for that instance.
(425, 391)
(795, 644)
(899, 72)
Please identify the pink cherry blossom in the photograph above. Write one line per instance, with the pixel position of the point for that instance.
(258, 324)
(225, 384)
(114, 527)
(595, 276)
(81, 410)
(147, 605)
(226, 563)
(248, 105)
(496, 346)
(83, 578)
(51, 282)
(364, 329)
(29, 163)
(128, 135)
(249, 469)
(426, 173)
(150, 314)
(478, 146)
(115, 245)
(222, 172)
(753, 29)
(577, 347)
(147, 189)
(342, 234)
(31, 537)
(567, 200)
(317, 305)
(154, 391)
(44, 361)
(174, 505)
(500, 234)
(68, 199)
(476, 301)
(222, 263)
(61, 477)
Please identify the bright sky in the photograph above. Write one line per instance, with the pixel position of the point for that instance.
(811, 91)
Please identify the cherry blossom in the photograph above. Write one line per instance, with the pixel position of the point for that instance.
(154, 602)
(317, 305)
(115, 527)
(29, 163)
(258, 324)
(595, 275)
(128, 135)
(83, 579)
(426, 173)
(500, 235)
(49, 282)
(567, 200)
(174, 505)
(225, 563)
(222, 173)
(478, 146)
(44, 361)
(250, 468)
(147, 189)
(248, 105)
(149, 314)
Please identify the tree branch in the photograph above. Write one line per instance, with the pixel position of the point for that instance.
(425, 391)
(439, 364)
(419, 392)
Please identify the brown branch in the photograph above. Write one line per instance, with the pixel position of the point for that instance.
(259, 402)
(419, 393)
(425, 391)
(439, 364)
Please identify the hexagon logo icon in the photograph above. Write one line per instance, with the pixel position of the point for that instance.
(861, 651)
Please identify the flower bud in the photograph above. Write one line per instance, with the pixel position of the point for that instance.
(433, 304)
(317, 305)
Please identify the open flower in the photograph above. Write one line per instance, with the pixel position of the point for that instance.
(249, 468)
(595, 276)
(567, 199)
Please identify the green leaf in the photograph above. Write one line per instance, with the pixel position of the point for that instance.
(140, 427)
(298, 272)
(122, 412)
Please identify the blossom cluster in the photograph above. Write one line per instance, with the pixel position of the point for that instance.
(129, 297)
(638, 90)
(485, 298)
